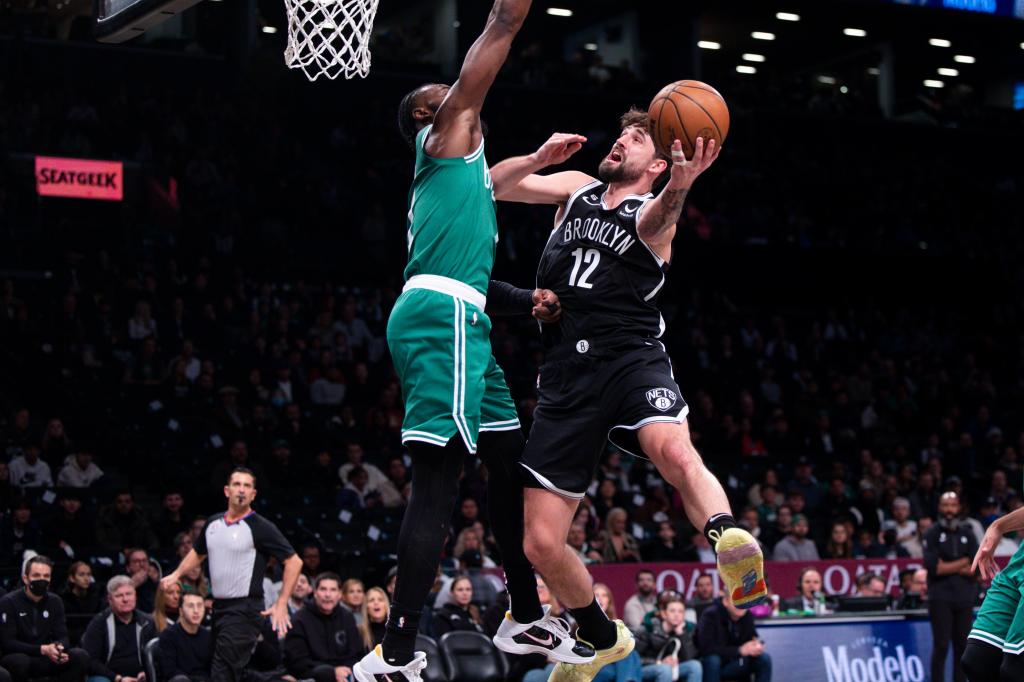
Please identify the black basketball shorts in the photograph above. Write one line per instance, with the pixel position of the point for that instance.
(593, 394)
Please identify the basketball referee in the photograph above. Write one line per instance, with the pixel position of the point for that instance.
(239, 544)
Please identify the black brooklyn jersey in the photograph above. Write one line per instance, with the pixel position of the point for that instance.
(605, 276)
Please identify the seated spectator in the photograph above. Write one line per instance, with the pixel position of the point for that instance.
(311, 560)
(619, 545)
(355, 457)
(145, 576)
(324, 642)
(166, 607)
(357, 493)
(172, 518)
(867, 546)
(729, 645)
(870, 585)
(27, 470)
(186, 648)
(913, 546)
(117, 635)
(796, 546)
(809, 588)
(460, 613)
(300, 594)
(705, 554)
(669, 645)
(79, 471)
(892, 549)
(703, 595)
(577, 540)
(905, 527)
(839, 545)
(68, 528)
(751, 521)
(353, 598)
(667, 548)
(34, 645)
(19, 531)
(471, 551)
(642, 602)
(122, 524)
(375, 617)
(80, 594)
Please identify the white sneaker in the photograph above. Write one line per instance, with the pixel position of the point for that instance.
(373, 668)
(549, 636)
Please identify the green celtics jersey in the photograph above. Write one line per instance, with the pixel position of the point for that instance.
(452, 229)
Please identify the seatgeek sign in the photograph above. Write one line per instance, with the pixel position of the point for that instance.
(79, 178)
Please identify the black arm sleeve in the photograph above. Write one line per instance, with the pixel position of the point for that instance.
(505, 299)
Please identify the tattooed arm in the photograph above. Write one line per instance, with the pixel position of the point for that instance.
(659, 216)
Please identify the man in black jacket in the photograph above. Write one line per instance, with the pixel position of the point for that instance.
(186, 648)
(117, 635)
(324, 641)
(949, 548)
(33, 631)
(729, 645)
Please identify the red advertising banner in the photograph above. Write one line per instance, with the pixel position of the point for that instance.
(839, 575)
(79, 178)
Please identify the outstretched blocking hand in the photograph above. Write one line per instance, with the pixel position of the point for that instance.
(559, 148)
(985, 559)
(684, 172)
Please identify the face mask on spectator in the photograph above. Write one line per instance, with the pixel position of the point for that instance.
(38, 587)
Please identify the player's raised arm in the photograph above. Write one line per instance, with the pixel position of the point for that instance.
(457, 130)
(662, 213)
(514, 178)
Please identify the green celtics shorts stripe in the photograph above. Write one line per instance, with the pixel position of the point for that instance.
(1000, 620)
(451, 383)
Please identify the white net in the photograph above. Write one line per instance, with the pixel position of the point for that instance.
(330, 37)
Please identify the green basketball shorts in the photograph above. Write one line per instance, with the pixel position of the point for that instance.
(441, 348)
(1000, 621)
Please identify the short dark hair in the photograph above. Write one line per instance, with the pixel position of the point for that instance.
(327, 575)
(241, 470)
(406, 122)
(189, 591)
(38, 559)
(864, 579)
(643, 571)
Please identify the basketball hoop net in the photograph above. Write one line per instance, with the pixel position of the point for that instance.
(330, 37)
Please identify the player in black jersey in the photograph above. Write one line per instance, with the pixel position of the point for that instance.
(607, 376)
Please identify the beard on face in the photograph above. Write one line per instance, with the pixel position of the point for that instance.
(609, 171)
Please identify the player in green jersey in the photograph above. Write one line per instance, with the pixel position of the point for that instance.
(456, 399)
(995, 645)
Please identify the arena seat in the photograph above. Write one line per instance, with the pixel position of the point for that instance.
(150, 654)
(437, 666)
(472, 657)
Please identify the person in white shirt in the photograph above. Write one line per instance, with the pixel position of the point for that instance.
(28, 471)
(354, 454)
(905, 527)
(642, 602)
(79, 471)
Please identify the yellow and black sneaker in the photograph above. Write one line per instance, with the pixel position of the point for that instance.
(741, 565)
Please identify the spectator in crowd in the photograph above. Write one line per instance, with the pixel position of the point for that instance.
(459, 613)
(172, 518)
(839, 545)
(186, 648)
(311, 566)
(796, 546)
(68, 528)
(668, 645)
(357, 493)
(19, 531)
(805, 483)
(471, 551)
(642, 602)
(27, 470)
(324, 642)
(577, 540)
(116, 637)
(167, 607)
(949, 549)
(80, 595)
(870, 585)
(751, 521)
(905, 527)
(666, 547)
(924, 500)
(729, 646)
(35, 645)
(375, 617)
(355, 456)
(353, 597)
(628, 668)
(79, 471)
(300, 594)
(123, 524)
(619, 545)
(703, 595)
(868, 546)
(913, 546)
(808, 591)
(145, 576)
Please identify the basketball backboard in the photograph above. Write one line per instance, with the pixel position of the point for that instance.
(120, 20)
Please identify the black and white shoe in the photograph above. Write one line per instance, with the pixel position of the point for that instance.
(373, 668)
(549, 636)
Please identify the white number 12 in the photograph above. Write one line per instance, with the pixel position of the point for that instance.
(592, 257)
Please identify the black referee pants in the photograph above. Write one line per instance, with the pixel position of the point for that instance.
(951, 621)
(236, 627)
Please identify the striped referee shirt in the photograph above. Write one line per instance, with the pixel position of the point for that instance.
(238, 552)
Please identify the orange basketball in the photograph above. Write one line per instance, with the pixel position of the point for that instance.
(684, 111)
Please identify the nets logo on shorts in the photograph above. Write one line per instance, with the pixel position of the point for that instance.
(662, 398)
